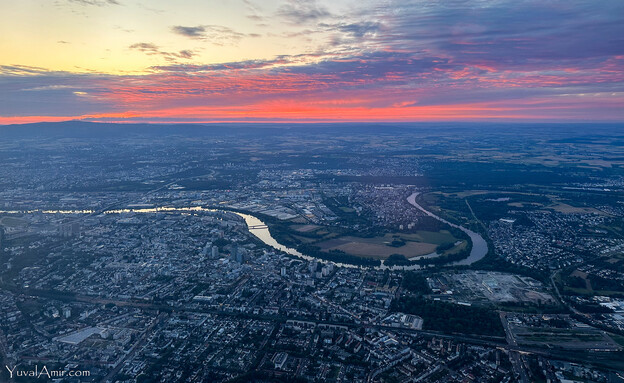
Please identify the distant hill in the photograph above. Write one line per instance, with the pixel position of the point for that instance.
(84, 129)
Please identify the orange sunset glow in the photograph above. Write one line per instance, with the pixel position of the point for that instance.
(249, 61)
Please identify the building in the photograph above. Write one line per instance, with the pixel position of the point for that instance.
(69, 229)
(280, 360)
(206, 250)
(237, 254)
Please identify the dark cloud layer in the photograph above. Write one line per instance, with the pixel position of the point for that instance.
(507, 33)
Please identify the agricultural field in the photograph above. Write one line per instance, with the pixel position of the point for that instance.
(410, 244)
(377, 247)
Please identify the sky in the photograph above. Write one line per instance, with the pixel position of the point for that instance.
(311, 61)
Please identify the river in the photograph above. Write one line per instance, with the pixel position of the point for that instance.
(258, 228)
(479, 245)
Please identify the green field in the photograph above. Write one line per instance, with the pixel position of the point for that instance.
(381, 247)
(333, 238)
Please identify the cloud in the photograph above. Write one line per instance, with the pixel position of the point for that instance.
(359, 29)
(99, 3)
(48, 87)
(507, 34)
(455, 59)
(302, 11)
(153, 49)
(187, 54)
(194, 32)
(145, 47)
(149, 9)
(237, 65)
(21, 70)
(37, 91)
(216, 34)
(254, 11)
(377, 85)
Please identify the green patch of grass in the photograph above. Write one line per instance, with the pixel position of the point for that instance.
(437, 238)
(304, 239)
(577, 290)
(456, 249)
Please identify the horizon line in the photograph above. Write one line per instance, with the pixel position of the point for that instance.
(312, 122)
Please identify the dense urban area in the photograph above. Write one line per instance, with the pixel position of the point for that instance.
(312, 253)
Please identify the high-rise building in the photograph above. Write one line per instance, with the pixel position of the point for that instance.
(69, 229)
(313, 266)
(240, 256)
(237, 254)
(206, 251)
(234, 250)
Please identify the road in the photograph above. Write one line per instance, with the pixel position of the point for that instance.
(563, 302)
(514, 356)
(495, 342)
(133, 349)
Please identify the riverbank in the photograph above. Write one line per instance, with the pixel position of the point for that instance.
(479, 245)
(259, 229)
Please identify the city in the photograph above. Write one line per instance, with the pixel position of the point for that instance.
(201, 257)
(312, 191)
